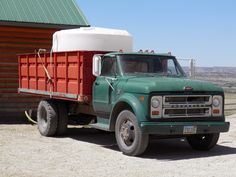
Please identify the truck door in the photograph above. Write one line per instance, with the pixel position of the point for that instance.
(104, 87)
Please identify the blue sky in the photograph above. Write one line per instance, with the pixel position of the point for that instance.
(201, 29)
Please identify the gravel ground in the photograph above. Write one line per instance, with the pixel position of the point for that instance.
(87, 152)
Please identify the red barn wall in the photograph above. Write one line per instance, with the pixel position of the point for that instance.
(15, 40)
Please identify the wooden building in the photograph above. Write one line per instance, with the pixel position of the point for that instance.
(26, 26)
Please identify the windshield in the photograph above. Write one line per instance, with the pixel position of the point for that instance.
(132, 64)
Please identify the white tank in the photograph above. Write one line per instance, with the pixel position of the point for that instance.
(92, 39)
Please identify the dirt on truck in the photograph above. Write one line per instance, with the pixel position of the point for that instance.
(134, 94)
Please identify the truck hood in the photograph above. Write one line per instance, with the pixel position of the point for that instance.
(167, 84)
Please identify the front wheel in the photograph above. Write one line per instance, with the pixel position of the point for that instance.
(130, 139)
(203, 142)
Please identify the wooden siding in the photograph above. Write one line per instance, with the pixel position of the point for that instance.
(15, 40)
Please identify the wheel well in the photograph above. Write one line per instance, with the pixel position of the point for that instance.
(117, 109)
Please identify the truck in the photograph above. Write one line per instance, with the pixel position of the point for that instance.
(133, 94)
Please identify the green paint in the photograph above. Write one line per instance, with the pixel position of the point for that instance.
(147, 85)
(102, 124)
(126, 88)
(176, 128)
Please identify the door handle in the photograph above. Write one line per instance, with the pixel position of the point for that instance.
(97, 83)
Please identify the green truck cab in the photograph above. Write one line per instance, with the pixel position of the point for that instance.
(141, 94)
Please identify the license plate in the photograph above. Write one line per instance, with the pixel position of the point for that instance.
(188, 130)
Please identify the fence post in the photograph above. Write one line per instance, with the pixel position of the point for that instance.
(192, 69)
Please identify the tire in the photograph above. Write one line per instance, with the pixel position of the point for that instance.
(131, 141)
(62, 118)
(47, 118)
(203, 142)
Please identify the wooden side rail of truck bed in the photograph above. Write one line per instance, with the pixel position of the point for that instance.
(60, 75)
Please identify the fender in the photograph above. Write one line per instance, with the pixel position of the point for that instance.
(133, 102)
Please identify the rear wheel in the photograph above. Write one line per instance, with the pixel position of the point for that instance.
(62, 118)
(130, 139)
(47, 118)
(203, 142)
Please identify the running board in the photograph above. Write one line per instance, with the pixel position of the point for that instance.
(102, 124)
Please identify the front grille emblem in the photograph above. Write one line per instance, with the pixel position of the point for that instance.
(187, 88)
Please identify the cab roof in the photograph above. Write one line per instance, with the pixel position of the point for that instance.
(139, 53)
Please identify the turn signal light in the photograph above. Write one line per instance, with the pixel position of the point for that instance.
(141, 98)
(216, 111)
(155, 113)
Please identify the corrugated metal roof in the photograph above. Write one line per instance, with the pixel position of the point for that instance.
(56, 12)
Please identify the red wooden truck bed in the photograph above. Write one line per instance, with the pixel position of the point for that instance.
(61, 75)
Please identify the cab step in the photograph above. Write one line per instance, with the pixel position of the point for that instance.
(102, 124)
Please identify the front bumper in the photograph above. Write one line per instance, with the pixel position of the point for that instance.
(177, 128)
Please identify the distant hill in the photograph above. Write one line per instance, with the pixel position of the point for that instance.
(230, 70)
(212, 70)
(222, 76)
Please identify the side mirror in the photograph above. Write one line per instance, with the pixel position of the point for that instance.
(97, 65)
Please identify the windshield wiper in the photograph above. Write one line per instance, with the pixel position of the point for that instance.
(171, 75)
(144, 74)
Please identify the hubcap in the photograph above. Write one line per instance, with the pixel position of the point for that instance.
(127, 132)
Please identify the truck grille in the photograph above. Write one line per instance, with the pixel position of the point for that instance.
(187, 106)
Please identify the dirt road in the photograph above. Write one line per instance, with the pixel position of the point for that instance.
(87, 152)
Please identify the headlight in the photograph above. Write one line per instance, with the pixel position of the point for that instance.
(216, 102)
(156, 107)
(217, 105)
(155, 103)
